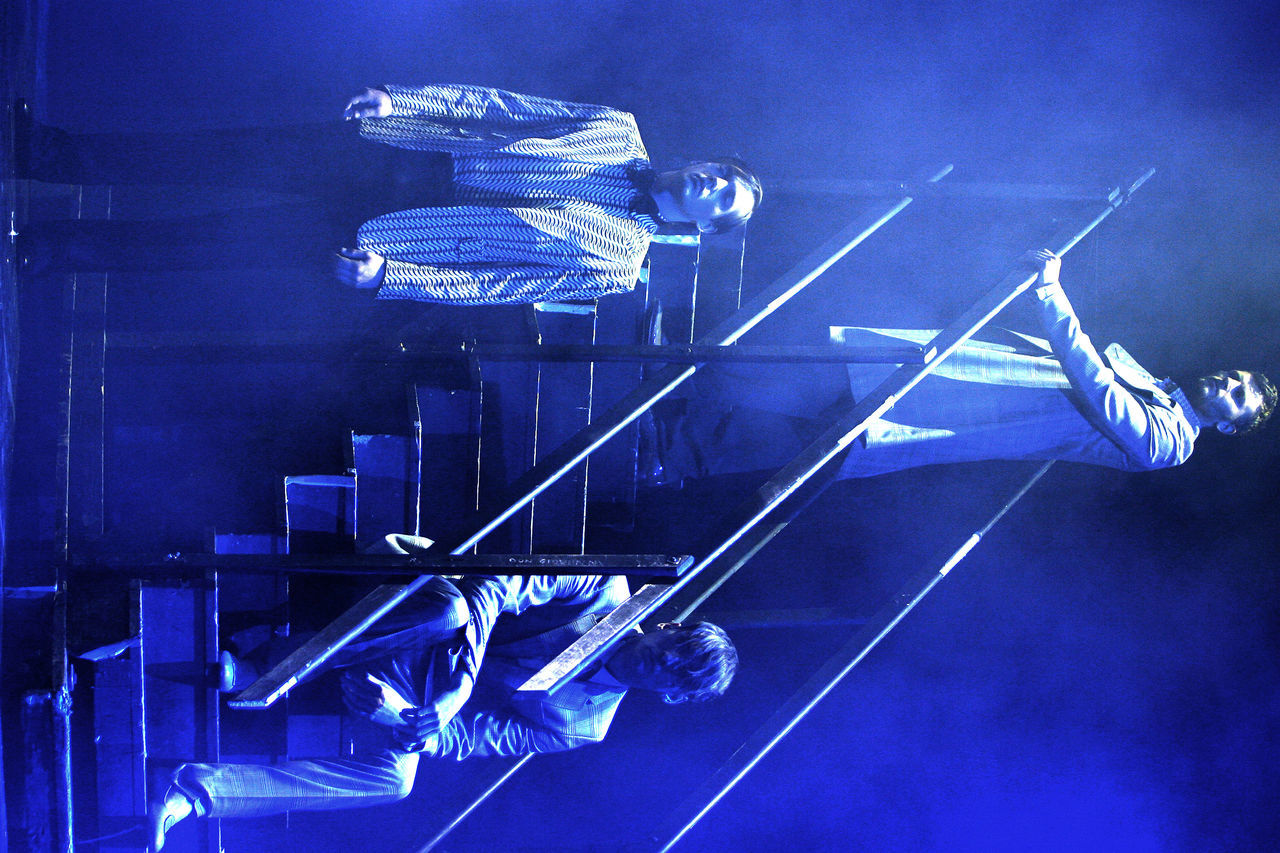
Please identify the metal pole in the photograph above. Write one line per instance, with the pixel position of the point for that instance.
(827, 677)
(951, 189)
(384, 565)
(324, 645)
(475, 804)
(673, 354)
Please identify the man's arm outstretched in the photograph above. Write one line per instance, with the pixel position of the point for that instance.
(1151, 436)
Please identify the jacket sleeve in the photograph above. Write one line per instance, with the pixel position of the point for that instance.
(1151, 436)
(461, 119)
(514, 594)
(471, 255)
(496, 107)
(497, 284)
(489, 596)
(505, 731)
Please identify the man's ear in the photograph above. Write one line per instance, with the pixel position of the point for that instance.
(1227, 428)
(706, 228)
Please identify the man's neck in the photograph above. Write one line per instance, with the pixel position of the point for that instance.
(1180, 397)
(668, 210)
(604, 677)
(664, 199)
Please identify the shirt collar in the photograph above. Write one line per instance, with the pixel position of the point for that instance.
(1181, 399)
(646, 209)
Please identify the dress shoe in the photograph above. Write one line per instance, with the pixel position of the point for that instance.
(164, 813)
(234, 674)
(656, 428)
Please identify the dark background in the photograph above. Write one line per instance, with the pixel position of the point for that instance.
(1100, 673)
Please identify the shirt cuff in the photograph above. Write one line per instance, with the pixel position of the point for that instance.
(1048, 291)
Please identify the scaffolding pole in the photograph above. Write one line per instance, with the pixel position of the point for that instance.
(824, 681)
(276, 683)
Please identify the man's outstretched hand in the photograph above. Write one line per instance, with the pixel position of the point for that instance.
(359, 268)
(1046, 263)
(371, 103)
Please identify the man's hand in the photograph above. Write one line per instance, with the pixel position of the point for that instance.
(418, 728)
(373, 698)
(371, 103)
(421, 727)
(1047, 263)
(359, 268)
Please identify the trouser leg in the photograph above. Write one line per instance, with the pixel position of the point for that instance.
(794, 390)
(750, 417)
(294, 159)
(399, 648)
(328, 161)
(255, 790)
(346, 181)
(298, 236)
(411, 658)
(433, 616)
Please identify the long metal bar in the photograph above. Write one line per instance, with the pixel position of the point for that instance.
(408, 356)
(308, 657)
(576, 449)
(951, 189)
(826, 678)
(647, 565)
(588, 648)
(680, 353)
(475, 804)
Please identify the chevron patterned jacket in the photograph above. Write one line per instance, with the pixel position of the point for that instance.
(548, 205)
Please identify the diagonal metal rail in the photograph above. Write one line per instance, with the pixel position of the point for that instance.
(276, 683)
(831, 673)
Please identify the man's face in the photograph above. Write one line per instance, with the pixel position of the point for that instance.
(1228, 399)
(706, 191)
(648, 661)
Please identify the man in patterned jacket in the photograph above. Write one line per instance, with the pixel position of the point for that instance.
(441, 681)
(1012, 397)
(477, 196)
(554, 200)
